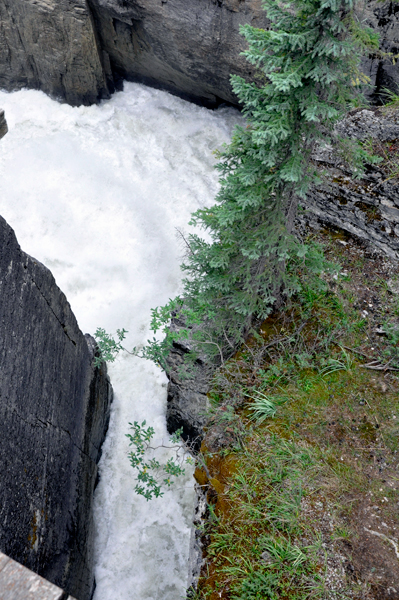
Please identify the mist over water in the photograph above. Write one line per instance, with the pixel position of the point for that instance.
(96, 194)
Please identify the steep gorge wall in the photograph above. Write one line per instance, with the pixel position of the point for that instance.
(54, 412)
(51, 45)
(188, 47)
(3, 124)
(80, 50)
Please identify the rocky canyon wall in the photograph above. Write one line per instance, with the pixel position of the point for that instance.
(188, 47)
(79, 51)
(3, 124)
(51, 45)
(54, 412)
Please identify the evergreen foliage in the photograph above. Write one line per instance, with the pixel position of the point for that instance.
(307, 65)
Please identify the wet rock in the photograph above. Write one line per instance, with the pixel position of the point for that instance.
(3, 124)
(54, 412)
(196, 559)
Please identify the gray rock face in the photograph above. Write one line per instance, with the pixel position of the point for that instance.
(188, 47)
(187, 391)
(367, 208)
(54, 412)
(3, 124)
(51, 45)
(80, 50)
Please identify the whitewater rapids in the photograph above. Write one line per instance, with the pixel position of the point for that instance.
(96, 194)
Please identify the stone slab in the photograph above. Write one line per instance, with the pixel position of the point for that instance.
(19, 583)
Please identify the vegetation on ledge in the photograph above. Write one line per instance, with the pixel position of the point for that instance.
(303, 491)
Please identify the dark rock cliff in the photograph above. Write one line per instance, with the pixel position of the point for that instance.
(80, 50)
(383, 72)
(54, 412)
(3, 124)
(51, 45)
(188, 386)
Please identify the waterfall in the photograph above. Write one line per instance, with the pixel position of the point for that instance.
(96, 194)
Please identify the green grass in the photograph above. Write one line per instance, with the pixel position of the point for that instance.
(314, 427)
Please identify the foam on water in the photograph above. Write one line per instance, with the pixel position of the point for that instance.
(96, 194)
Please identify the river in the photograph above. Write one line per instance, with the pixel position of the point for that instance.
(96, 194)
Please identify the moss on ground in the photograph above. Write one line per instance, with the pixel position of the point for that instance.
(302, 450)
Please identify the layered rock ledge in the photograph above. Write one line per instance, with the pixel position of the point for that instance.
(54, 412)
(367, 208)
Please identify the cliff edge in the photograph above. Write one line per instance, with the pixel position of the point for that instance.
(54, 412)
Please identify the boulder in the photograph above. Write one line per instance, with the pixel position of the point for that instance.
(3, 124)
(54, 412)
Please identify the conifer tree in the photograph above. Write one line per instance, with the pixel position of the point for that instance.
(307, 65)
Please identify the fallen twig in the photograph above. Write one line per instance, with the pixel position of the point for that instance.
(387, 539)
(378, 367)
(373, 364)
(353, 350)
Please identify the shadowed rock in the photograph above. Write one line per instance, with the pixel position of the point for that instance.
(187, 390)
(187, 47)
(54, 412)
(3, 124)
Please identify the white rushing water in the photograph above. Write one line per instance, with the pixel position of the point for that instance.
(96, 194)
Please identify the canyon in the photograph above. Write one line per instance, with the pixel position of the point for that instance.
(80, 52)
